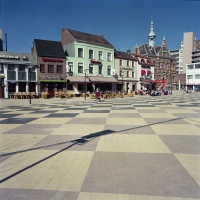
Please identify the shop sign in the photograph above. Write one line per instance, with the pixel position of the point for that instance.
(95, 62)
(52, 59)
(126, 68)
(143, 66)
(9, 57)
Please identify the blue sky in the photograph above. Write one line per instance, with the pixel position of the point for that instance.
(122, 22)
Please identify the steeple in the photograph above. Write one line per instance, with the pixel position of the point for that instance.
(152, 35)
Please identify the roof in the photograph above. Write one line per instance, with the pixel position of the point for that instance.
(146, 49)
(89, 38)
(49, 48)
(124, 55)
(17, 58)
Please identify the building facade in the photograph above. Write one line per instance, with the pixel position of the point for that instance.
(89, 62)
(50, 58)
(193, 76)
(126, 71)
(164, 64)
(15, 74)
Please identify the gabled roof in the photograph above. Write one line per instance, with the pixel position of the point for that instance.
(89, 38)
(124, 55)
(49, 48)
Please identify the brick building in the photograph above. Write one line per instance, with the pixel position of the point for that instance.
(50, 58)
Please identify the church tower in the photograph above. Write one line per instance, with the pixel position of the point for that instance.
(152, 36)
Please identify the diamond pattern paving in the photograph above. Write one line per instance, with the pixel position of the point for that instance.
(136, 148)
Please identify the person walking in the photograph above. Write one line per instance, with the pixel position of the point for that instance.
(98, 94)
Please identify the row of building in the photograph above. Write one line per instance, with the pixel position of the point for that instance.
(82, 62)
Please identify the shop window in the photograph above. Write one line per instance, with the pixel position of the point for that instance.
(80, 52)
(91, 54)
(42, 68)
(70, 86)
(59, 69)
(80, 67)
(31, 87)
(50, 69)
(59, 87)
(11, 87)
(22, 87)
(80, 87)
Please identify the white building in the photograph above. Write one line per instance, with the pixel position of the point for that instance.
(193, 76)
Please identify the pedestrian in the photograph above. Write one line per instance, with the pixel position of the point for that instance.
(98, 94)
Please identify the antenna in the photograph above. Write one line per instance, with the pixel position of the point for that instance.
(6, 41)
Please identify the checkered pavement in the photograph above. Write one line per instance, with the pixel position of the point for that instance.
(124, 148)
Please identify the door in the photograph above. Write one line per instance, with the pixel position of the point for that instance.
(51, 89)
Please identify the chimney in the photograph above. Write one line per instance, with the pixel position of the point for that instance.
(128, 51)
(102, 35)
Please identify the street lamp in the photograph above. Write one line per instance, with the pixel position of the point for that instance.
(85, 83)
(188, 84)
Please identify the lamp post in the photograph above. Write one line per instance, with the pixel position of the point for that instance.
(188, 84)
(85, 83)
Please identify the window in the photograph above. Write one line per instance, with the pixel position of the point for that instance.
(127, 63)
(133, 74)
(22, 68)
(70, 67)
(42, 68)
(59, 69)
(197, 76)
(69, 86)
(189, 76)
(109, 70)
(100, 55)
(50, 69)
(127, 74)
(22, 87)
(132, 63)
(197, 66)
(100, 69)
(11, 87)
(120, 62)
(59, 87)
(90, 69)
(91, 54)
(80, 52)
(80, 67)
(80, 87)
(11, 68)
(190, 67)
(109, 56)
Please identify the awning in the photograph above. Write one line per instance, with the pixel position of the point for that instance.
(99, 79)
(53, 81)
(148, 72)
(143, 71)
(77, 79)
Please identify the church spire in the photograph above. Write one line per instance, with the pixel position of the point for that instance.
(152, 35)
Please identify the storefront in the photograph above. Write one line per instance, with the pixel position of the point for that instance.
(18, 74)
(77, 84)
